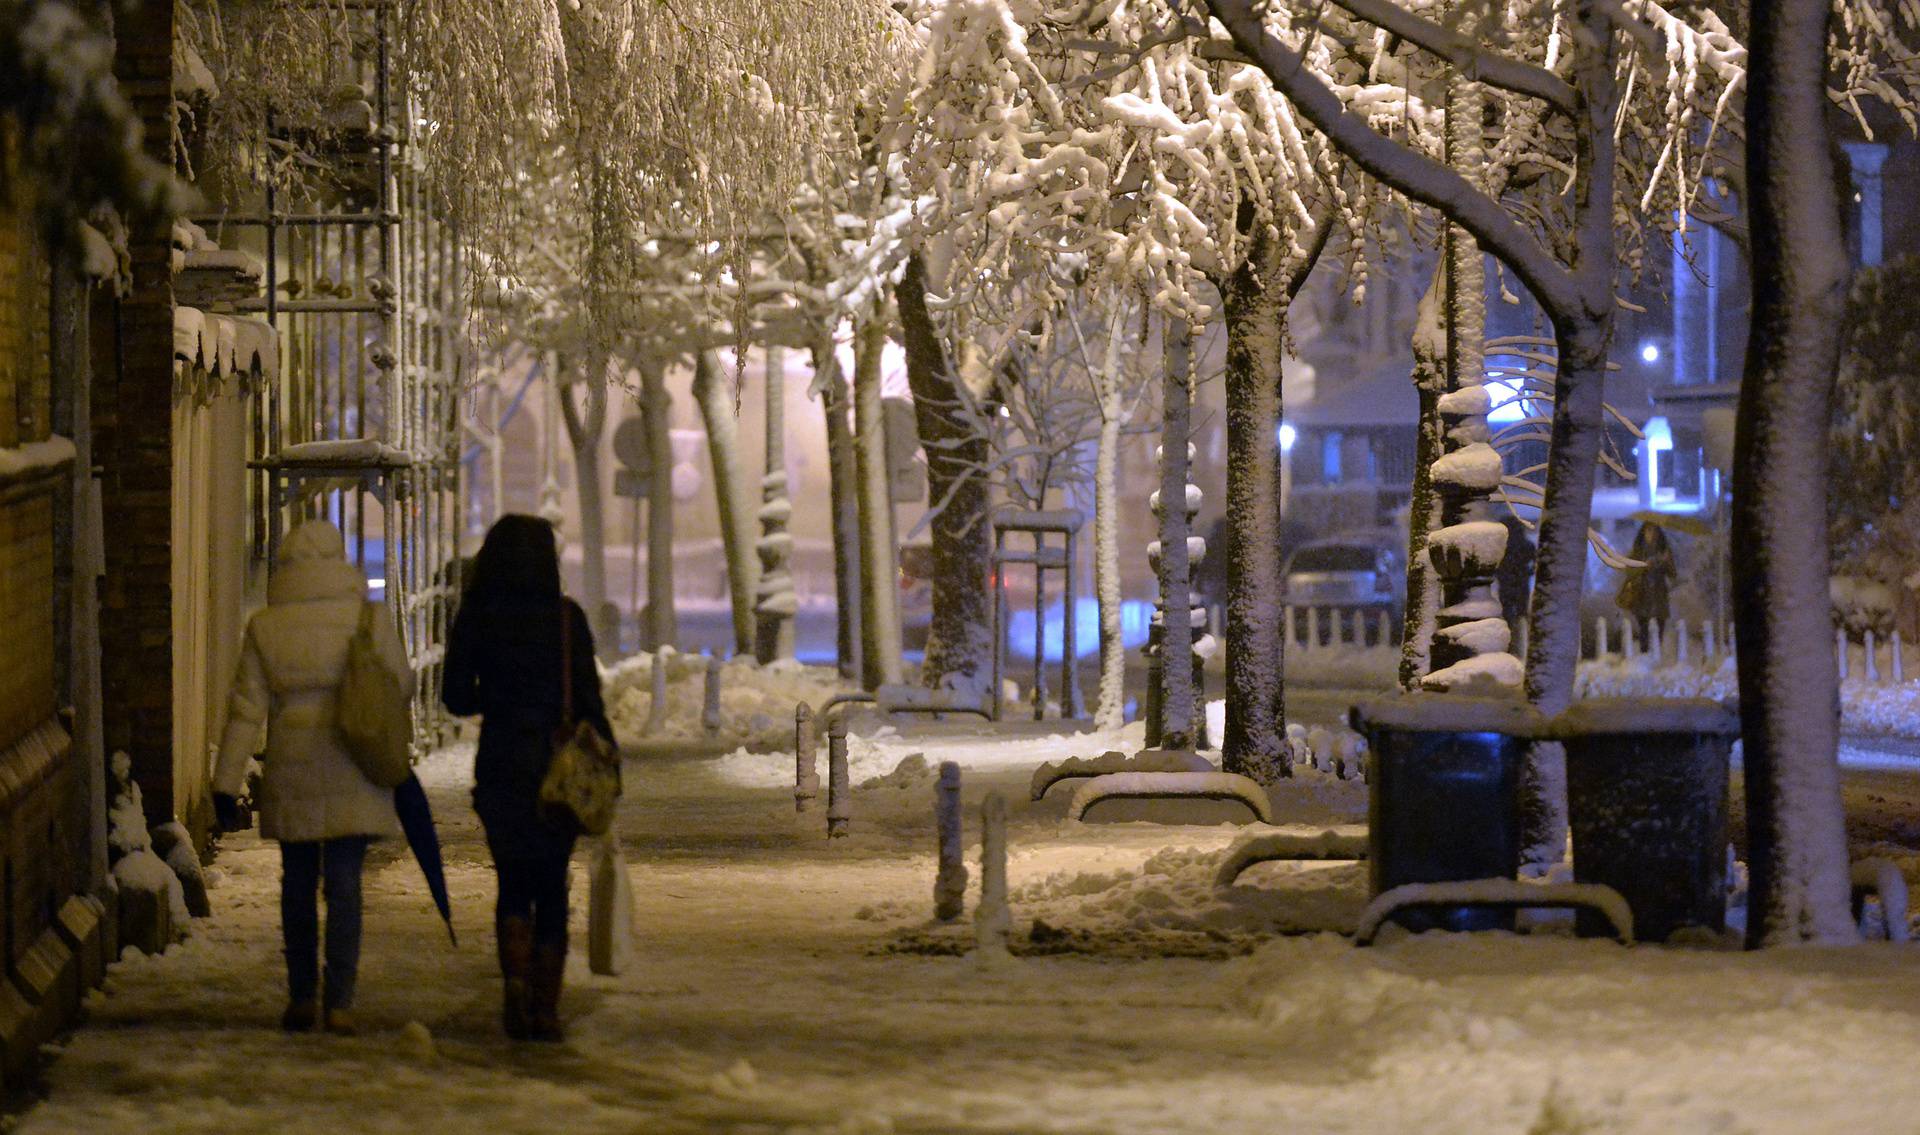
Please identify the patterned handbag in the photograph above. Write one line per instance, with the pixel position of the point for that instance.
(582, 787)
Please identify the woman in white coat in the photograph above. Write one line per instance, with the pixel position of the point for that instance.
(312, 796)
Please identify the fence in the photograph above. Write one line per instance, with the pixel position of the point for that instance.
(1323, 628)
(1875, 659)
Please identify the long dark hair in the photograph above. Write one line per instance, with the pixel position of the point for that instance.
(518, 557)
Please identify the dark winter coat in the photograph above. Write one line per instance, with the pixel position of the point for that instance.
(503, 663)
(1644, 592)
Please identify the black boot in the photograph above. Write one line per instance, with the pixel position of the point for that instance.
(549, 971)
(516, 968)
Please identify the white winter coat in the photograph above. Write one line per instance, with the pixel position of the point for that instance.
(295, 655)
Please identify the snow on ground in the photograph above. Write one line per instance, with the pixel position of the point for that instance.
(1865, 707)
(788, 983)
(756, 702)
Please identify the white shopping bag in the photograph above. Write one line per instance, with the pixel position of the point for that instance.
(609, 908)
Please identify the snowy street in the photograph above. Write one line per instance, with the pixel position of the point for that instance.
(784, 983)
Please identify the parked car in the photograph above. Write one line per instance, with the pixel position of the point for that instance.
(1359, 570)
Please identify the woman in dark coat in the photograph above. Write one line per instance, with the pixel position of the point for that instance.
(504, 663)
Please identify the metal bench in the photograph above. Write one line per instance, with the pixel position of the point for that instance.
(1299, 842)
(1508, 894)
(1113, 760)
(1172, 786)
(915, 699)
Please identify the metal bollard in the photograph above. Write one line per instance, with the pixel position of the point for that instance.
(657, 709)
(950, 878)
(992, 919)
(839, 791)
(806, 759)
(710, 701)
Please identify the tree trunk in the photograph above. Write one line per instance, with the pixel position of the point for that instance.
(1110, 713)
(662, 622)
(729, 494)
(1177, 729)
(585, 425)
(1789, 693)
(843, 486)
(880, 594)
(1579, 408)
(1423, 509)
(959, 651)
(1255, 313)
(774, 601)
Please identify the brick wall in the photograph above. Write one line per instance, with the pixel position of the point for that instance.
(133, 446)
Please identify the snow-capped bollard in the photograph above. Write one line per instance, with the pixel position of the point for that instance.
(1840, 650)
(839, 790)
(1629, 646)
(992, 919)
(1656, 645)
(1899, 662)
(1709, 646)
(710, 697)
(1873, 660)
(657, 708)
(1679, 642)
(950, 878)
(1320, 741)
(806, 759)
(1600, 646)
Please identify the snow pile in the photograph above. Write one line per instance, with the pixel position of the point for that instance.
(756, 702)
(135, 866)
(880, 753)
(1865, 707)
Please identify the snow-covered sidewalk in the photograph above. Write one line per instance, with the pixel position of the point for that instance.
(789, 984)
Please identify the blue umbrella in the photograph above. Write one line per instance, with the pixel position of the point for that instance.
(416, 819)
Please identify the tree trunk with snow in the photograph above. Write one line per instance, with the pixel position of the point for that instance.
(1789, 694)
(583, 407)
(880, 594)
(843, 487)
(1110, 710)
(774, 601)
(729, 494)
(657, 404)
(1582, 335)
(959, 637)
(1423, 510)
(1177, 726)
(1255, 314)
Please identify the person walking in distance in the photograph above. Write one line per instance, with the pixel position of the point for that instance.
(313, 797)
(515, 637)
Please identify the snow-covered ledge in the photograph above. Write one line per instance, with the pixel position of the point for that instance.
(34, 460)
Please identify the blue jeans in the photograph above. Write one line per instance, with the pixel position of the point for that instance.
(304, 866)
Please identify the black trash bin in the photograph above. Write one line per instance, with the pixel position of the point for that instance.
(1443, 806)
(1647, 799)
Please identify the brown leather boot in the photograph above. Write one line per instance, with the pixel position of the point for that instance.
(549, 972)
(516, 970)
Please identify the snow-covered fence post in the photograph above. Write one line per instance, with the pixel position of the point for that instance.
(1601, 648)
(992, 919)
(1629, 643)
(1873, 660)
(1709, 647)
(1656, 644)
(1899, 662)
(950, 877)
(806, 759)
(710, 697)
(1292, 636)
(1679, 642)
(1840, 650)
(839, 790)
(657, 686)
